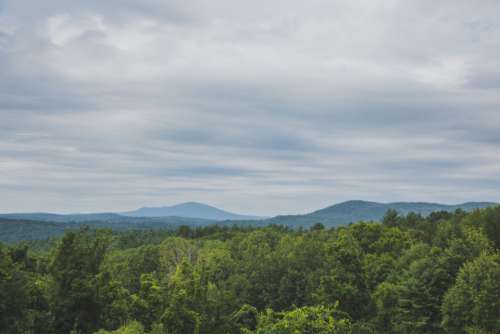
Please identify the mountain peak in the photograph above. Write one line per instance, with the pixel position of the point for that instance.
(189, 210)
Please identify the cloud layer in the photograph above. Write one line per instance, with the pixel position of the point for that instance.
(261, 107)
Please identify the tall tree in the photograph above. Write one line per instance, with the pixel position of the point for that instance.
(472, 304)
(14, 295)
(74, 269)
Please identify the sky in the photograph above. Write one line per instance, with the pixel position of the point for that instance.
(258, 107)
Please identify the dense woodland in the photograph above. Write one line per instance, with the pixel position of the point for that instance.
(410, 274)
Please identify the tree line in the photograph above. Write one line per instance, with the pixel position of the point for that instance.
(408, 274)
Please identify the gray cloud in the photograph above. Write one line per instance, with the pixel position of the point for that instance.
(259, 107)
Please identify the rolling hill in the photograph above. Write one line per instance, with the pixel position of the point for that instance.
(353, 211)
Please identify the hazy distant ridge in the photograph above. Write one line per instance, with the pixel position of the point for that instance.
(189, 210)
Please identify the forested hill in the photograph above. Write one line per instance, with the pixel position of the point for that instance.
(15, 230)
(409, 274)
(363, 210)
(354, 211)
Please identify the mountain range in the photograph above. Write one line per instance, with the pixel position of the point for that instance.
(27, 226)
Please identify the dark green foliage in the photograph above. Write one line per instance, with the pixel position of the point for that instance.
(391, 218)
(421, 288)
(317, 227)
(14, 299)
(23, 293)
(472, 305)
(492, 225)
(410, 274)
(342, 281)
(75, 292)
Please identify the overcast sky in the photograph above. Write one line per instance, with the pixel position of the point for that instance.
(259, 107)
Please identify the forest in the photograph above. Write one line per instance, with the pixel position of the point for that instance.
(407, 274)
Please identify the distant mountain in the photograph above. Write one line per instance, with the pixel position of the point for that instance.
(61, 218)
(354, 211)
(29, 226)
(189, 210)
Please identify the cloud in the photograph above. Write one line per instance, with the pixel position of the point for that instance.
(263, 107)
